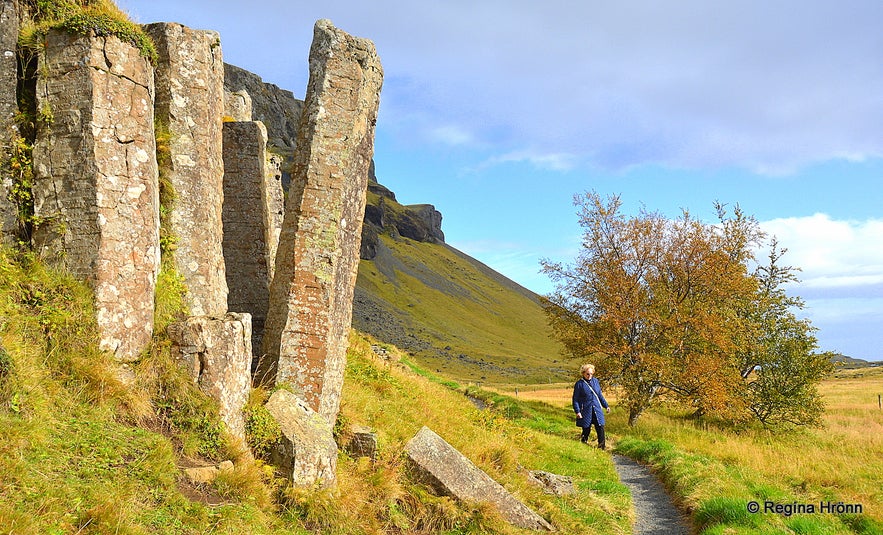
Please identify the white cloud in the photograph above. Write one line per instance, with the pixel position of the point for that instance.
(546, 161)
(767, 86)
(832, 254)
(841, 279)
(451, 135)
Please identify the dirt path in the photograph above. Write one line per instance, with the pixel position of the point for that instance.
(655, 514)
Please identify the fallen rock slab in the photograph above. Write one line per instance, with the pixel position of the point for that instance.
(450, 473)
(307, 453)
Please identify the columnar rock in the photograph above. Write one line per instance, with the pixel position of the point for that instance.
(217, 353)
(311, 295)
(276, 108)
(450, 473)
(9, 27)
(253, 208)
(95, 184)
(307, 453)
(237, 106)
(190, 103)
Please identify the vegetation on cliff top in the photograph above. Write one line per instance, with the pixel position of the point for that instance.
(101, 17)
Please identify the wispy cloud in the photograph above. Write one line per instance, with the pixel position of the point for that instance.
(551, 161)
(520, 261)
(451, 135)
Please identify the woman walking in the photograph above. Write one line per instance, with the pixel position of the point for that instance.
(588, 402)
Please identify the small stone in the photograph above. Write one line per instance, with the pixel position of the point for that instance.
(201, 474)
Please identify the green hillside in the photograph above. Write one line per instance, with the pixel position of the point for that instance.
(454, 315)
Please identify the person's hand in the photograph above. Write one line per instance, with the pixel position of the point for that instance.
(579, 415)
(608, 410)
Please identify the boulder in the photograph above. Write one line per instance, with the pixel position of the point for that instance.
(363, 443)
(450, 473)
(217, 353)
(307, 453)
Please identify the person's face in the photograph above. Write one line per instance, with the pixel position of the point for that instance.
(587, 374)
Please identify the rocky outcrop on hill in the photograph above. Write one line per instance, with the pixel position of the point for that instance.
(189, 102)
(97, 205)
(253, 210)
(384, 215)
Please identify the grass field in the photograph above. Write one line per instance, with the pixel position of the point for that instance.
(714, 471)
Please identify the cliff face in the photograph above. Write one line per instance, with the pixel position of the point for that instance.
(277, 108)
(384, 215)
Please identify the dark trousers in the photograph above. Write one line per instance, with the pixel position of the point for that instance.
(599, 430)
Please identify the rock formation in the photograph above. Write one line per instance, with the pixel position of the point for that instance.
(450, 473)
(95, 185)
(553, 484)
(276, 108)
(9, 26)
(190, 103)
(383, 214)
(253, 209)
(307, 454)
(362, 443)
(308, 321)
(217, 353)
(237, 105)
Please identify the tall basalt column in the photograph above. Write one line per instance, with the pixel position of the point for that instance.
(95, 186)
(9, 27)
(190, 103)
(311, 295)
(253, 210)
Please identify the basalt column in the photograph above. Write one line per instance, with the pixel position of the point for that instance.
(9, 26)
(190, 103)
(95, 186)
(311, 295)
(253, 209)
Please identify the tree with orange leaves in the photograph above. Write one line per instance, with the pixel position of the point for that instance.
(671, 307)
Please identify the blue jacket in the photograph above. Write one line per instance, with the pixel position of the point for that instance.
(584, 401)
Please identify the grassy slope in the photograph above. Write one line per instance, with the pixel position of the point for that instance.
(455, 315)
(79, 451)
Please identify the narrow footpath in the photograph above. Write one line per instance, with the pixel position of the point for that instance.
(655, 513)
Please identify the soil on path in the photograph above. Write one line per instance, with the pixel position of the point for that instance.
(655, 513)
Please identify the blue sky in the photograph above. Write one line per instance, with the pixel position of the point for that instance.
(498, 112)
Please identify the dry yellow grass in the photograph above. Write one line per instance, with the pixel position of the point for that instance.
(842, 460)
